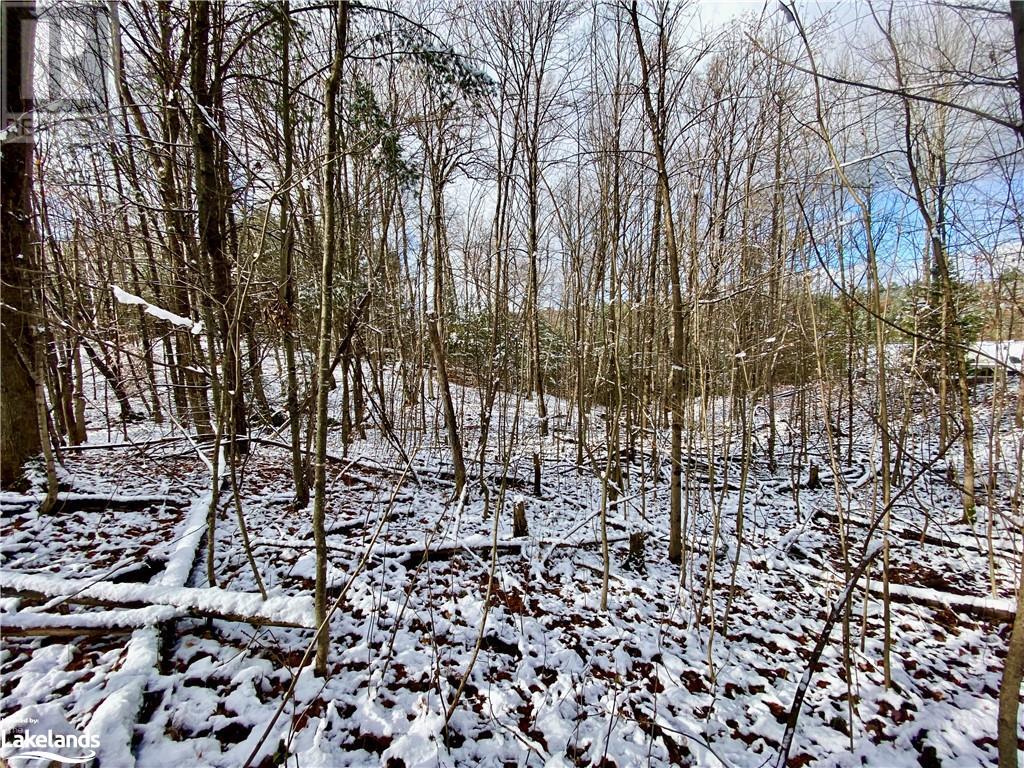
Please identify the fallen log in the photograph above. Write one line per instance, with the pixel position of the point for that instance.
(420, 555)
(28, 624)
(211, 602)
(116, 715)
(447, 550)
(921, 537)
(65, 632)
(138, 445)
(94, 502)
(991, 608)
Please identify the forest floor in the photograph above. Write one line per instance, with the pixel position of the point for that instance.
(694, 670)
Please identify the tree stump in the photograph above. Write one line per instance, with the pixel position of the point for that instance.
(635, 560)
(813, 481)
(519, 527)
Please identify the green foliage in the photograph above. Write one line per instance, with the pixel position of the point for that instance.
(927, 304)
(469, 340)
(968, 312)
(444, 69)
(468, 346)
(923, 309)
(372, 135)
(555, 349)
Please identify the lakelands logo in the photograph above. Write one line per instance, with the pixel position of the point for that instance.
(65, 748)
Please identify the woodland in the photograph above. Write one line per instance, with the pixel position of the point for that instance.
(512, 383)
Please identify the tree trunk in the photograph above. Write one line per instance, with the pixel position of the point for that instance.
(330, 244)
(656, 125)
(1009, 689)
(211, 204)
(437, 343)
(19, 427)
(286, 273)
(450, 417)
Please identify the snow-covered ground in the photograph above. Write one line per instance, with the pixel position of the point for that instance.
(684, 668)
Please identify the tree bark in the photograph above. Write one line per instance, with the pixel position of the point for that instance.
(656, 124)
(434, 330)
(19, 426)
(324, 369)
(286, 274)
(1009, 689)
(211, 203)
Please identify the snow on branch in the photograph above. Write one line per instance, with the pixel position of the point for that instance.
(991, 608)
(123, 297)
(28, 623)
(283, 610)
